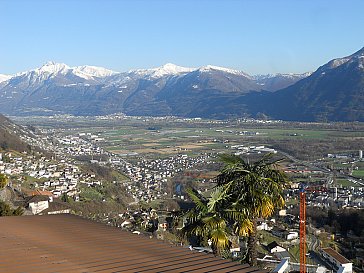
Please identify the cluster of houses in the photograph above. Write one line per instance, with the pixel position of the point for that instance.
(149, 177)
(342, 197)
(283, 261)
(50, 180)
(59, 177)
(80, 145)
(322, 190)
(326, 196)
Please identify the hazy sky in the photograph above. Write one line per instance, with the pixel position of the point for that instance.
(255, 36)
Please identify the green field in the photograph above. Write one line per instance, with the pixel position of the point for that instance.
(345, 183)
(358, 173)
(167, 136)
(294, 133)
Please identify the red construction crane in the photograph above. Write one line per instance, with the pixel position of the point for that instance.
(302, 230)
(303, 189)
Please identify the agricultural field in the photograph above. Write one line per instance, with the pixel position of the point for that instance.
(302, 144)
(358, 173)
(345, 183)
(164, 136)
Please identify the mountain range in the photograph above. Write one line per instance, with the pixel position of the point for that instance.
(334, 92)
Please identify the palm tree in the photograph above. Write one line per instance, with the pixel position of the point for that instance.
(206, 221)
(253, 190)
(213, 221)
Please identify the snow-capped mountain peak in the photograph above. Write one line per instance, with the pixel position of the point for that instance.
(88, 71)
(53, 68)
(356, 57)
(171, 69)
(4, 78)
(49, 68)
(164, 70)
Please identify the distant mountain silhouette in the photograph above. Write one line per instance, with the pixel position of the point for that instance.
(334, 92)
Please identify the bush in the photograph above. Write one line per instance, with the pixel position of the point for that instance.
(3, 181)
(6, 210)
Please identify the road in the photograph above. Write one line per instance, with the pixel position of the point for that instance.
(305, 163)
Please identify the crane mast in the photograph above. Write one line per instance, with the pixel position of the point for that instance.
(302, 230)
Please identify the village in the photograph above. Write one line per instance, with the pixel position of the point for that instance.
(54, 179)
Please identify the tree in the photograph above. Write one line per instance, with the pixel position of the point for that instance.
(244, 192)
(213, 221)
(252, 190)
(6, 210)
(65, 197)
(3, 180)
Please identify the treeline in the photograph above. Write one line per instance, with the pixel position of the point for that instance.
(344, 221)
(307, 149)
(101, 172)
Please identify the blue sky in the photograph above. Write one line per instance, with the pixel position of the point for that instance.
(255, 36)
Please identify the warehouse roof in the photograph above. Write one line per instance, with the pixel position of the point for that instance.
(68, 243)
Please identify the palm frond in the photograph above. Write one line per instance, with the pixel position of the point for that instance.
(244, 228)
(198, 199)
(219, 238)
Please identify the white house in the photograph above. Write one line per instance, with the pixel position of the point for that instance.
(264, 226)
(292, 235)
(274, 247)
(336, 260)
(38, 203)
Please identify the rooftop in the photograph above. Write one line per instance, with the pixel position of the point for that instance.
(68, 243)
(338, 257)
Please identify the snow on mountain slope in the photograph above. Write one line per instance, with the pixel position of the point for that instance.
(88, 71)
(209, 68)
(356, 57)
(34, 78)
(170, 69)
(4, 78)
(260, 77)
(165, 70)
(60, 73)
(46, 70)
(274, 82)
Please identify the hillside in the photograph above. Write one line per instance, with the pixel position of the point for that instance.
(334, 92)
(9, 137)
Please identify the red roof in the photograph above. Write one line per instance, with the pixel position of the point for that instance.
(68, 243)
(39, 192)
